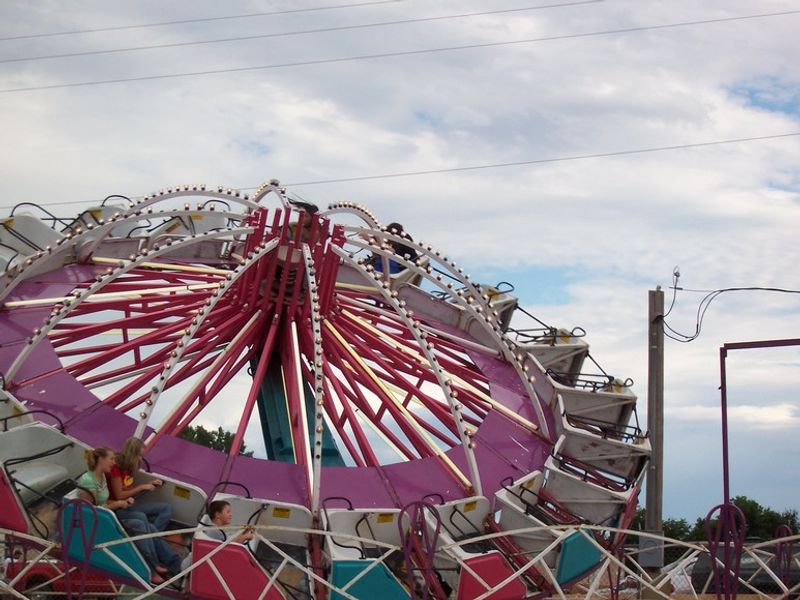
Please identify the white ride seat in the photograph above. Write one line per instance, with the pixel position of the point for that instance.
(380, 526)
(617, 451)
(516, 503)
(40, 477)
(591, 502)
(27, 234)
(612, 404)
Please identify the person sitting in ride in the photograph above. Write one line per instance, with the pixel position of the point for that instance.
(309, 210)
(399, 249)
(93, 483)
(121, 483)
(143, 517)
(220, 514)
(94, 488)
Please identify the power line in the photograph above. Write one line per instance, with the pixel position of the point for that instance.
(395, 54)
(202, 20)
(703, 305)
(497, 165)
(542, 161)
(298, 32)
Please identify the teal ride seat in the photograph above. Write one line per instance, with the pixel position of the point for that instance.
(108, 530)
(378, 583)
(578, 556)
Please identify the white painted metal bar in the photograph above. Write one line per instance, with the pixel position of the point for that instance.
(316, 367)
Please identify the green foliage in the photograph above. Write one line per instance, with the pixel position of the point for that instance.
(762, 522)
(217, 440)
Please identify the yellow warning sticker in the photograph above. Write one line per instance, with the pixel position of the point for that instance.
(197, 217)
(281, 513)
(182, 492)
(470, 506)
(96, 213)
(385, 518)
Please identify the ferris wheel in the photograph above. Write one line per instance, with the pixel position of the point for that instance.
(379, 385)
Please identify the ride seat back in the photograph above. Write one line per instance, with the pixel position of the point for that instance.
(234, 574)
(380, 526)
(128, 563)
(268, 513)
(464, 518)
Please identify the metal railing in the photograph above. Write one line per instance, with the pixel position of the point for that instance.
(614, 575)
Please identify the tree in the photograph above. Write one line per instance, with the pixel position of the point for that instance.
(217, 440)
(677, 529)
(762, 521)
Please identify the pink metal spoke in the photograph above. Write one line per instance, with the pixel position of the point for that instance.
(81, 331)
(263, 362)
(387, 373)
(157, 359)
(353, 393)
(417, 441)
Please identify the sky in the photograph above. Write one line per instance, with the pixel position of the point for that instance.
(583, 239)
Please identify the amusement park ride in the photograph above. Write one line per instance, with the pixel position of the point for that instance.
(419, 441)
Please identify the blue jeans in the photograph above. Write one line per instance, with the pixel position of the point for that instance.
(156, 513)
(156, 551)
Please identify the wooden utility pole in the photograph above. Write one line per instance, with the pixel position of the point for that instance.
(655, 412)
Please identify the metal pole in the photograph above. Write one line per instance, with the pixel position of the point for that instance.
(655, 411)
(723, 388)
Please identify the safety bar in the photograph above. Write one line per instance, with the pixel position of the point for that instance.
(606, 429)
(590, 474)
(328, 523)
(23, 459)
(5, 420)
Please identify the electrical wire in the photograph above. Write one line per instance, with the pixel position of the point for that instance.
(200, 20)
(297, 32)
(382, 55)
(542, 160)
(703, 305)
(500, 165)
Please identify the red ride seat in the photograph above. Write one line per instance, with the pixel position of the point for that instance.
(492, 568)
(243, 576)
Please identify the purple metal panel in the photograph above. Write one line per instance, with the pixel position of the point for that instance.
(42, 360)
(504, 449)
(59, 394)
(188, 462)
(17, 324)
(413, 480)
(55, 283)
(270, 480)
(68, 275)
(364, 487)
(498, 372)
(505, 387)
(102, 426)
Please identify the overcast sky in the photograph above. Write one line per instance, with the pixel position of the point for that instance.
(583, 240)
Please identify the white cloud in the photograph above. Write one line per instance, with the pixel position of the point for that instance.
(778, 416)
